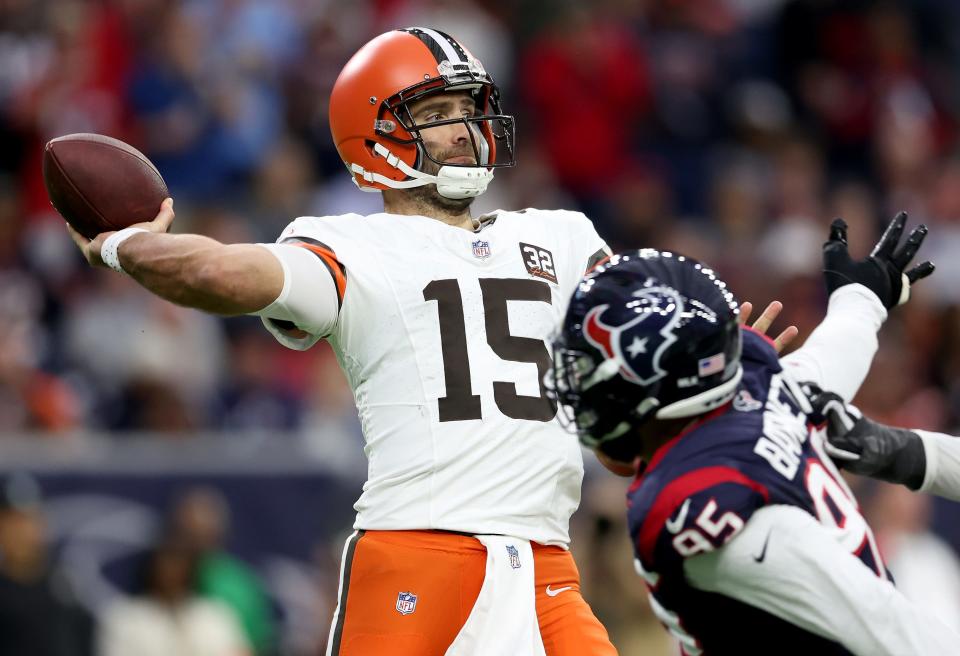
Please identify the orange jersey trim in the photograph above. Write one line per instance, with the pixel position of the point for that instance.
(329, 259)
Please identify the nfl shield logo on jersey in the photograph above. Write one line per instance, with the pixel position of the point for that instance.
(406, 603)
(514, 556)
(481, 249)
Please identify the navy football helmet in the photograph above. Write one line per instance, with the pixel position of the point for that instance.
(648, 334)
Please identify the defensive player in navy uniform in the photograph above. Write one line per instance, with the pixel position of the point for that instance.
(747, 537)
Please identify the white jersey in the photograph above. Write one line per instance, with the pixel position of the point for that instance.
(442, 336)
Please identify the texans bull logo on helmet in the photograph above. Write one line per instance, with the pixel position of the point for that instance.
(638, 344)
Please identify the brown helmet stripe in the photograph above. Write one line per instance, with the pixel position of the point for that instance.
(442, 46)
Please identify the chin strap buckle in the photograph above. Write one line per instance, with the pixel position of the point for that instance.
(454, 182)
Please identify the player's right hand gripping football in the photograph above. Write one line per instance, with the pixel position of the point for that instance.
(884, 270)
(863, 446)
(91, 247)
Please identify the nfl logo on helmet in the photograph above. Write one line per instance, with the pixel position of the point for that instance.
(406, 603)
(514, 556)
(481, 249)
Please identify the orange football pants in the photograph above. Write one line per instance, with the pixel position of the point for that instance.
(445, 571)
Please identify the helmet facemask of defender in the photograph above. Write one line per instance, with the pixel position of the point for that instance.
(648, 335)
(394, 153)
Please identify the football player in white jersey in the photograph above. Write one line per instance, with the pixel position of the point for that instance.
(439, 321)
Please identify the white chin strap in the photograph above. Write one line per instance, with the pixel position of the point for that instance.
(452, 181)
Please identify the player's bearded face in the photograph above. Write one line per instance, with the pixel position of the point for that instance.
(445, 143)
(461, 153)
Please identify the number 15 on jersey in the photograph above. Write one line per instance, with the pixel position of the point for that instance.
(460, 403)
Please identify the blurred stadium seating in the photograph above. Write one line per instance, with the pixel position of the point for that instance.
(730, 130)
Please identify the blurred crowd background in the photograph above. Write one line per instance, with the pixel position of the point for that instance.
(729, 130)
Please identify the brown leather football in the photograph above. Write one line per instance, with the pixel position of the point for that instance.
(99, 184)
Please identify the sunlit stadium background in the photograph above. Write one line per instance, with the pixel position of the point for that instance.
(730, 130)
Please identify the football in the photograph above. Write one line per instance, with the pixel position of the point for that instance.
(99, 184)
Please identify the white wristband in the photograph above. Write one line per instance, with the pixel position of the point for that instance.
(109, 252)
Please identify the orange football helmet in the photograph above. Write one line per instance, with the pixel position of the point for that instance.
(375, 132)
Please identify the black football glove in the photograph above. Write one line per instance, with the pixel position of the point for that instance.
(863, 446)
(884, 270)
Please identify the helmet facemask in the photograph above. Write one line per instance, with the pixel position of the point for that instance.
(492, 136)
(595, 403)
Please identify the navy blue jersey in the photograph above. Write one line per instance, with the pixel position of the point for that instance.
(700, 489)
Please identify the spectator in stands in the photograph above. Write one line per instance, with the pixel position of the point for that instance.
(39, 615)
(201, 520)
(176, 364)
(598, 67)
(31, 399)
(166, 617)
(254, 396)
(925, 567)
